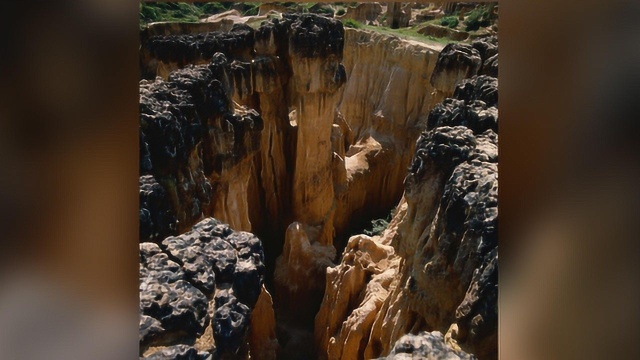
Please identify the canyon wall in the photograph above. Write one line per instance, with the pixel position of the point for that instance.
(301, 131)
(435, 266)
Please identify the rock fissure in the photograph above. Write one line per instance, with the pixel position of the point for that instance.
(301, 132)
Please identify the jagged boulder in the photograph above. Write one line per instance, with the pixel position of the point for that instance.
(209, 277)
(455, 62)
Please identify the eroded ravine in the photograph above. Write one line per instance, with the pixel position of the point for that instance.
(299, 132)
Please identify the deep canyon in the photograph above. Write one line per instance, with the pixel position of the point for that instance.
(265, 152)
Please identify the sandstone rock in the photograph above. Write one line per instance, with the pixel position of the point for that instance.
(398, 15)
(178, 352)
(442, 262)
(428, 346)
(343, 155)
(200, 288)
(443, 32)
(262, 338)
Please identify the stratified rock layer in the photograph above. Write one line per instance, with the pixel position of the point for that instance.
(197, 292)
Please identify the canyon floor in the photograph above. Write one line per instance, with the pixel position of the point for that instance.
(310, 190)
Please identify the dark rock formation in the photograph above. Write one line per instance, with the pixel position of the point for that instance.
(427, 346)
(482, 87)
(455, 62)
(210, 276)
(488, 49)
(315, 36)
(457, 263)
(184, 49)
(157, 219)
(192, 133)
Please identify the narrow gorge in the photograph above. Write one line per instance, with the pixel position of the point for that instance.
(265, 152)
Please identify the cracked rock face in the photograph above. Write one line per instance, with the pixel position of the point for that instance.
(198, 288)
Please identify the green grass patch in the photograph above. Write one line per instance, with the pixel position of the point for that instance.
(350, 23)
(449, 21)
(179, 12)
(477, 18)
(409, 33)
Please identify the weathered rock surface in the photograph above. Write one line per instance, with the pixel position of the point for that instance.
(456, 62)
(428, 346)
(381, 114)
(197, 290)
(157, 219)
(323, 151)
(435, 267)
(162, 53)
(199, 143)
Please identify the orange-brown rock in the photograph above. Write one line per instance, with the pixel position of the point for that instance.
(435, 267)
(263, 343)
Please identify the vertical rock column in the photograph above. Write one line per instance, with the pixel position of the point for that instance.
(271, 76)
(315, 55)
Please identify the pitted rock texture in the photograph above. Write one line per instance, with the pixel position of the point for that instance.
(434, 268)
(157, 219)
(427, 346)
(178, 50)
(340, 112)
(198, 288)
(195, 137)
(488, 49)
(456, 62)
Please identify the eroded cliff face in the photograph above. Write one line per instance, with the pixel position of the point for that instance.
(300, 131)
(435, 267)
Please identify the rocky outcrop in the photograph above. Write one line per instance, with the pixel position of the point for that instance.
(315, 53)
(199, 144)
(435, 267)
(165, 48)
(299, 128)
(462, 61)
(157, 219)
(197, 292)
(428, 346)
